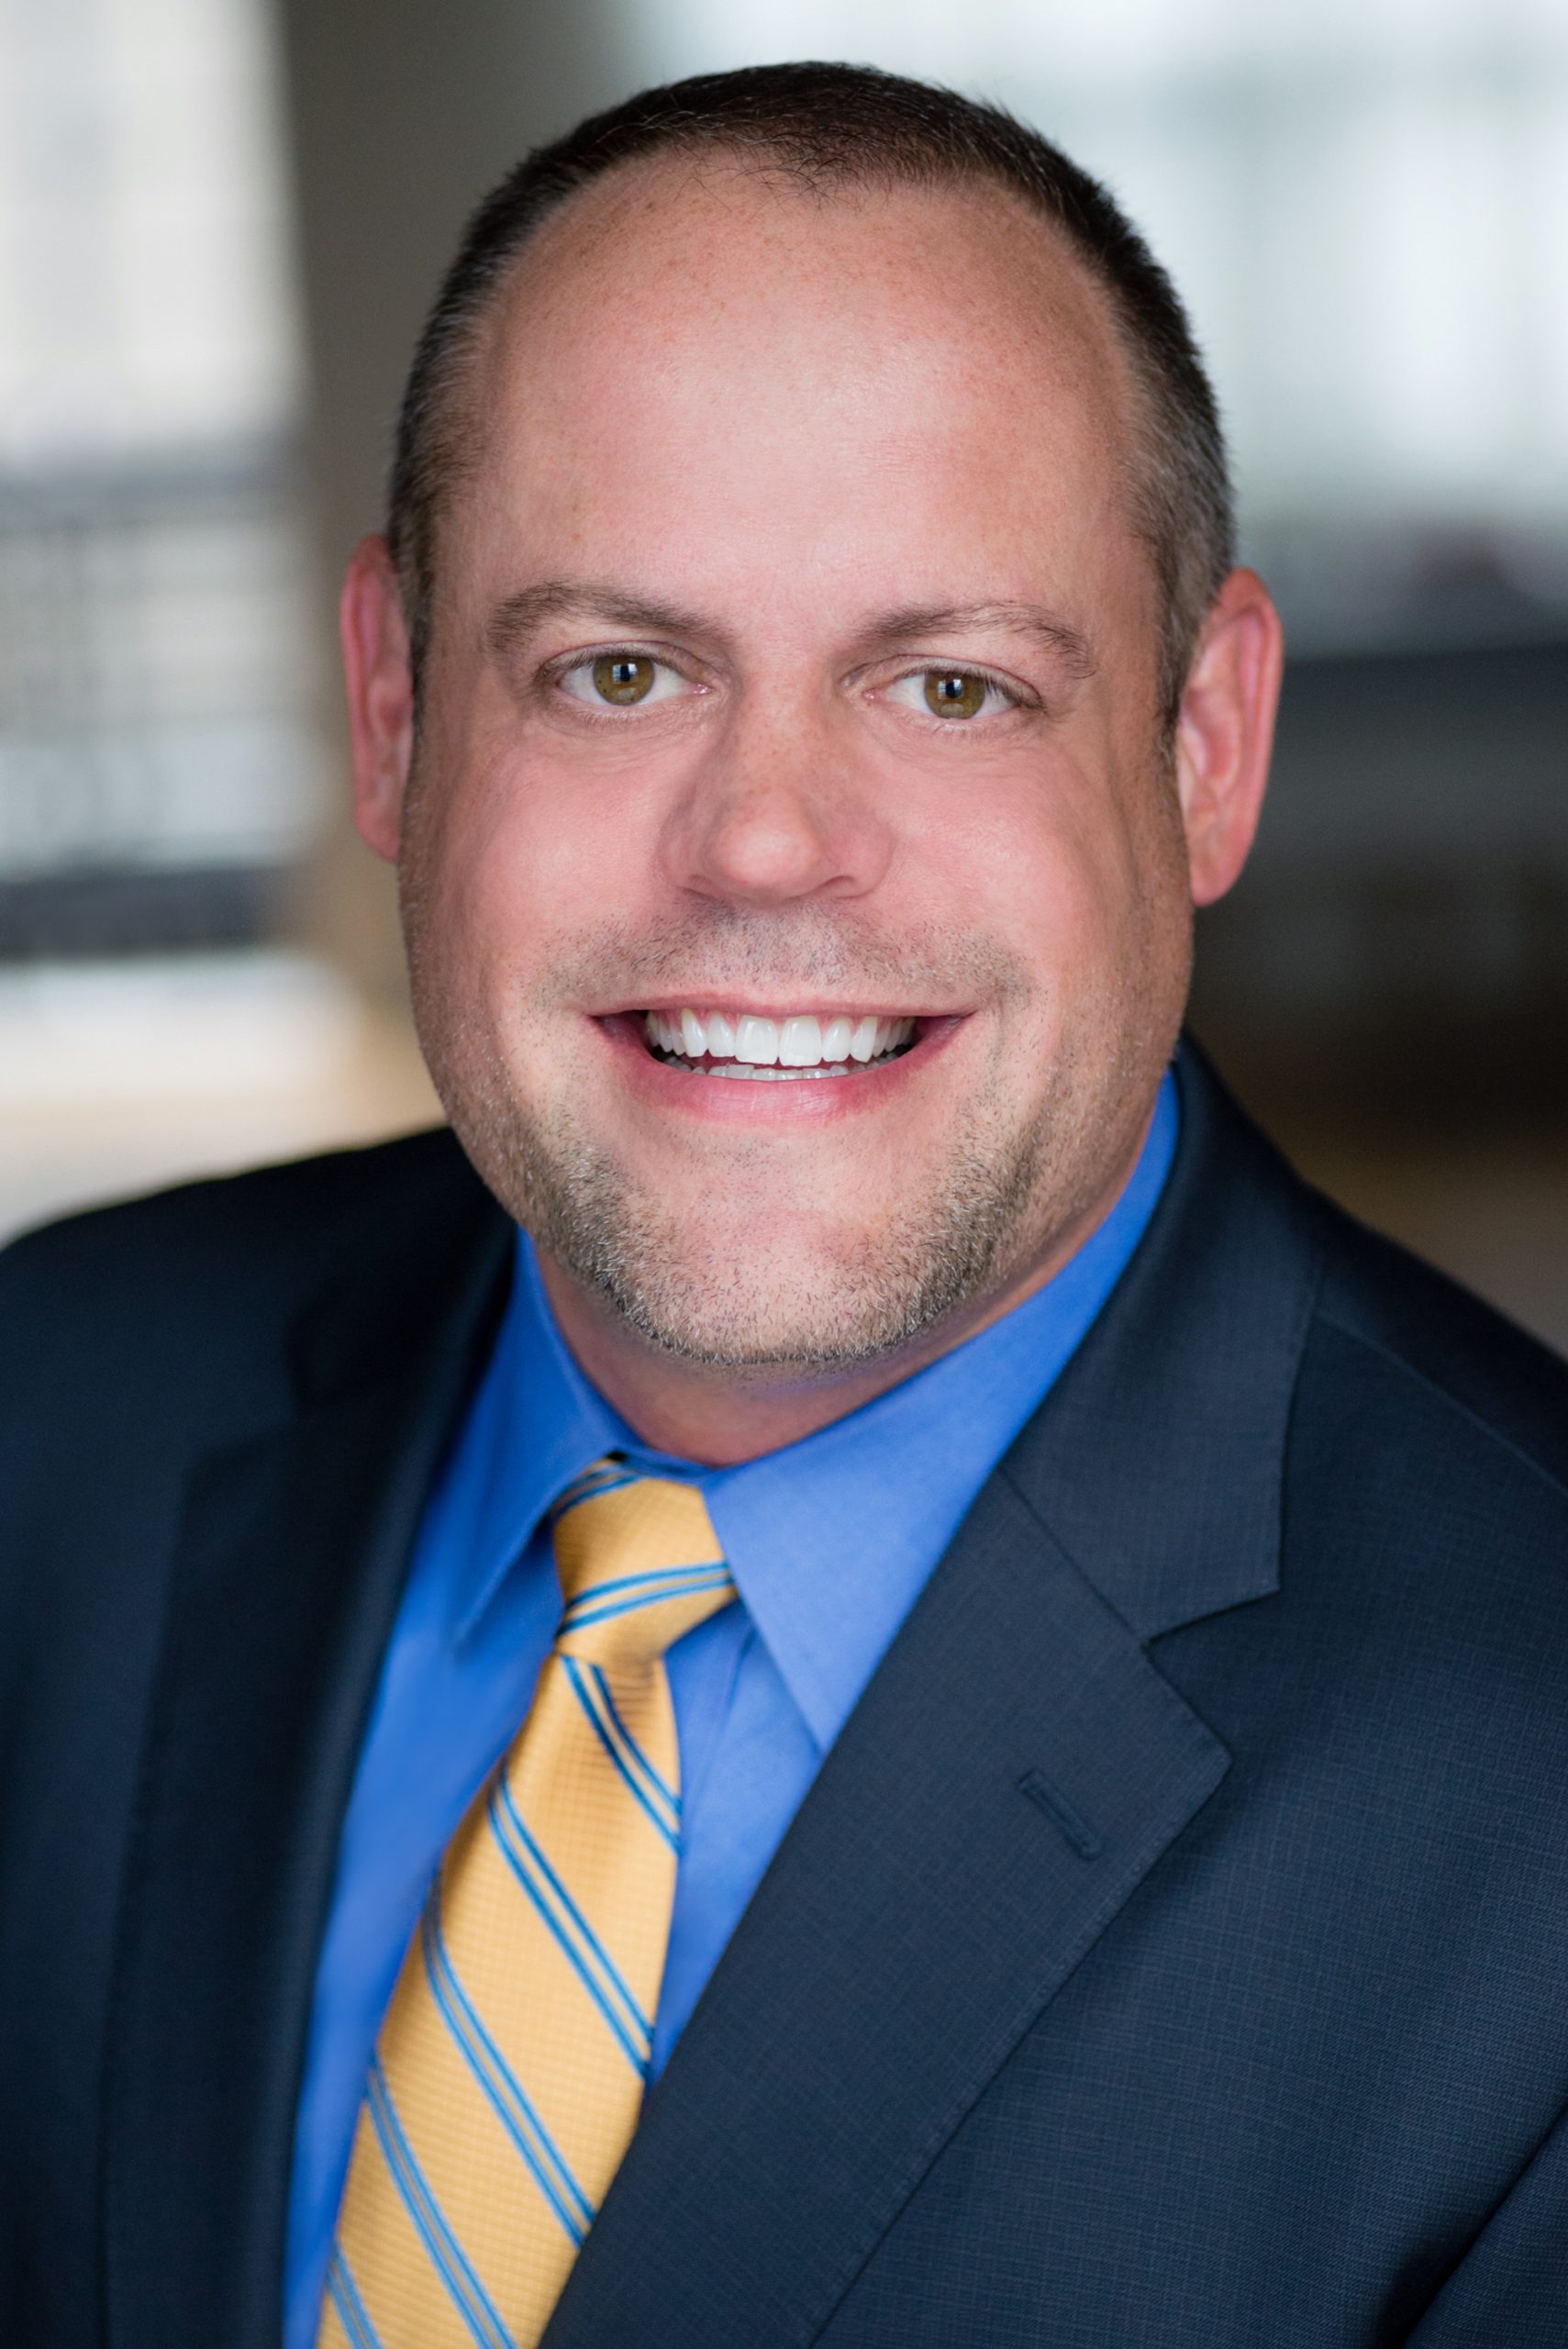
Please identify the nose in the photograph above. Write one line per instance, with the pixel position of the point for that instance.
(778, 814)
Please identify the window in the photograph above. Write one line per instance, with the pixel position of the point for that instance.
(158, 775)
(1366, 209)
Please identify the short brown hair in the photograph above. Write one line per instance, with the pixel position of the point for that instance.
(827, 126)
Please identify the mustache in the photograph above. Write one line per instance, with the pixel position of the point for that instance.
(778, 949)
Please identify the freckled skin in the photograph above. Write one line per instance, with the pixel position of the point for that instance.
(783, 419)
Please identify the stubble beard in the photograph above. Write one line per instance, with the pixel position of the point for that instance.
(990, 1204)
(981, 1211)
(873, 1295)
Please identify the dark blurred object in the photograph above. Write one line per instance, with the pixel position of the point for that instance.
(85, 914)
(158, 779)
(1387, 988)
(1399, 948)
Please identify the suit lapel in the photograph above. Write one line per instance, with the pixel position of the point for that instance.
(290, 1562)
(1014, 1769)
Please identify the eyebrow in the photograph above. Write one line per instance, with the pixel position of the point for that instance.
(530, 608)
(1069, 645)
(516, 619)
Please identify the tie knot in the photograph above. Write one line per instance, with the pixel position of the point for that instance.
(640, 1564)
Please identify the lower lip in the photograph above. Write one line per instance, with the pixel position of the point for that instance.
(742, 1100)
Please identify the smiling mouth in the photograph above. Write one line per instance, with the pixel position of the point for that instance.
(793, 1044)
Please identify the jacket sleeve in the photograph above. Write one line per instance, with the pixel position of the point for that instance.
(1511, 2286)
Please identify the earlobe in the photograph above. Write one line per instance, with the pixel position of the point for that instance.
(1225, 731)
(379, 678)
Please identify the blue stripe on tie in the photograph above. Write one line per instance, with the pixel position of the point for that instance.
(588, 1610)
(472, 2300)
(606, 1477)
(650, 1575)
(606, 1732)
(351, 2309)
(504, 2089)
(671, 1794)
(507, 1826)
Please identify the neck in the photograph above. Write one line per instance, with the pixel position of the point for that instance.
(721, 1416)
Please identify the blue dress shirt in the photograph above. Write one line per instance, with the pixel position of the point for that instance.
(829, 1540)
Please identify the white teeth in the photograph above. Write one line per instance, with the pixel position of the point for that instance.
(800, 1043)
(757, 1040)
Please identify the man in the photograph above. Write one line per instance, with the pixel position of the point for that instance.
(933, 1709)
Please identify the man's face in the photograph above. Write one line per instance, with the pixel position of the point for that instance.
(794, 670)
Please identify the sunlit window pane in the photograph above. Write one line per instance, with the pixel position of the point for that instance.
(158, 777)
(1364, 206)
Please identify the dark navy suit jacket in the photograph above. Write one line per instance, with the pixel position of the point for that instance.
(1173, 1951)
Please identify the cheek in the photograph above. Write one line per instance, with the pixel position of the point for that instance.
(516, 861)
(1047, 867)
(1088, 890)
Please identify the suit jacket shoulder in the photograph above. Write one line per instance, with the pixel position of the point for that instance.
(185, 1299)
(1502, 1387)
(140, 1340)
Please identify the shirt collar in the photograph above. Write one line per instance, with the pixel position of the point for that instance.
(536, 1423)
(831, 1539)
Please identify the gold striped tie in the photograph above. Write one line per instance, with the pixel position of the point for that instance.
(510, 2069)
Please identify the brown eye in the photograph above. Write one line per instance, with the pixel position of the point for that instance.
(955, 693)
(623, 677)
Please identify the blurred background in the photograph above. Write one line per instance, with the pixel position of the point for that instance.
(220, 222)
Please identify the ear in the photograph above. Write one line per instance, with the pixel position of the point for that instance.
(380, 680)
(1225, 730)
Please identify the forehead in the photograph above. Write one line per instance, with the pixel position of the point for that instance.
(706, 348)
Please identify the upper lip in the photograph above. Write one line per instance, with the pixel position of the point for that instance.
(804, 1007)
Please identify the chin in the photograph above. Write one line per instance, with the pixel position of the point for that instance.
(810, 1305)
(763, 1267)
